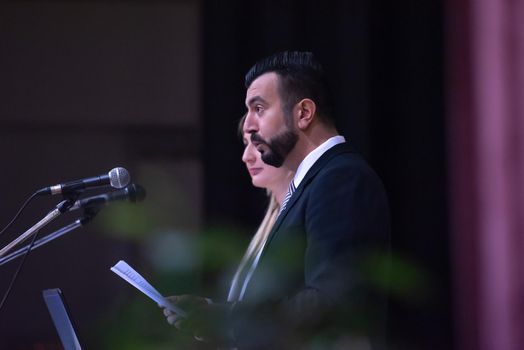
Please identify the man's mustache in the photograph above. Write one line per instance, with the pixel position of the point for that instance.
(257, 139)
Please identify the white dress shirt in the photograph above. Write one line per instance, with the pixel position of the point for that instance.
(313, 156)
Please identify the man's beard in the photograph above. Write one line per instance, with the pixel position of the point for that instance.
(277, 148)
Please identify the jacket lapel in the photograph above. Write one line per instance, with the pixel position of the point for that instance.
(310, 175)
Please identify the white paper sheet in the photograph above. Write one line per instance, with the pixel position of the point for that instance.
(129, 274)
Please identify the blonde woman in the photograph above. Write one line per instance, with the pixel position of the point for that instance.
(276, 182)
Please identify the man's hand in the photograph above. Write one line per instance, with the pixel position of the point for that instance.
(205, 321)
(188, 303)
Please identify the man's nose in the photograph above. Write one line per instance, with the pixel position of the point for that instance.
(251, 123)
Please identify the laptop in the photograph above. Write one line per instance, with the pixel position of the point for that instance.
(58, 310)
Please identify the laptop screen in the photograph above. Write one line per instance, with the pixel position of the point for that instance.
(56, 305)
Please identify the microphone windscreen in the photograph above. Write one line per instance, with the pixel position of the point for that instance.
(119, 177)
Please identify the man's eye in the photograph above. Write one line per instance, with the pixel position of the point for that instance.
(259, 109)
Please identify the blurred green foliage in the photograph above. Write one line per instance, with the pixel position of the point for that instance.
(179, 262)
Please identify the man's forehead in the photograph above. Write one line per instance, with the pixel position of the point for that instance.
(262, 87)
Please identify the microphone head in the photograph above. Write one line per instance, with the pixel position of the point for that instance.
(119, 177)
(136, 193)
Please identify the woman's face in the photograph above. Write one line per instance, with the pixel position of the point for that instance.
(262, 175)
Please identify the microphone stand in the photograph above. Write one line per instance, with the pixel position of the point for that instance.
(89, 214)
(61, 208)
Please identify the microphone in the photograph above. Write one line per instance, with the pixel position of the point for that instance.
(132, 193)
(117, 178)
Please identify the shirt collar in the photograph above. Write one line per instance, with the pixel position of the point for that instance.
(313, 156)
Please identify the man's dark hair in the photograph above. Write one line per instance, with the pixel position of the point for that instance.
(300, 76)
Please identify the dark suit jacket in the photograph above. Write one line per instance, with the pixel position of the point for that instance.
(312, 272)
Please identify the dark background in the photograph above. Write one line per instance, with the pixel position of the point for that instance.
(385, 62)
(157, 87)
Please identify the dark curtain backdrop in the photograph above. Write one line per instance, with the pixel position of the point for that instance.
(385, 64)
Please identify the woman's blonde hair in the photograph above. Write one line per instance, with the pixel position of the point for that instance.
(259, 239)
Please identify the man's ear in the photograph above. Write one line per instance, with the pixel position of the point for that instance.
(305, 110)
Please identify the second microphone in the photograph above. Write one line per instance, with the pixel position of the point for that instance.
(131, 193)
